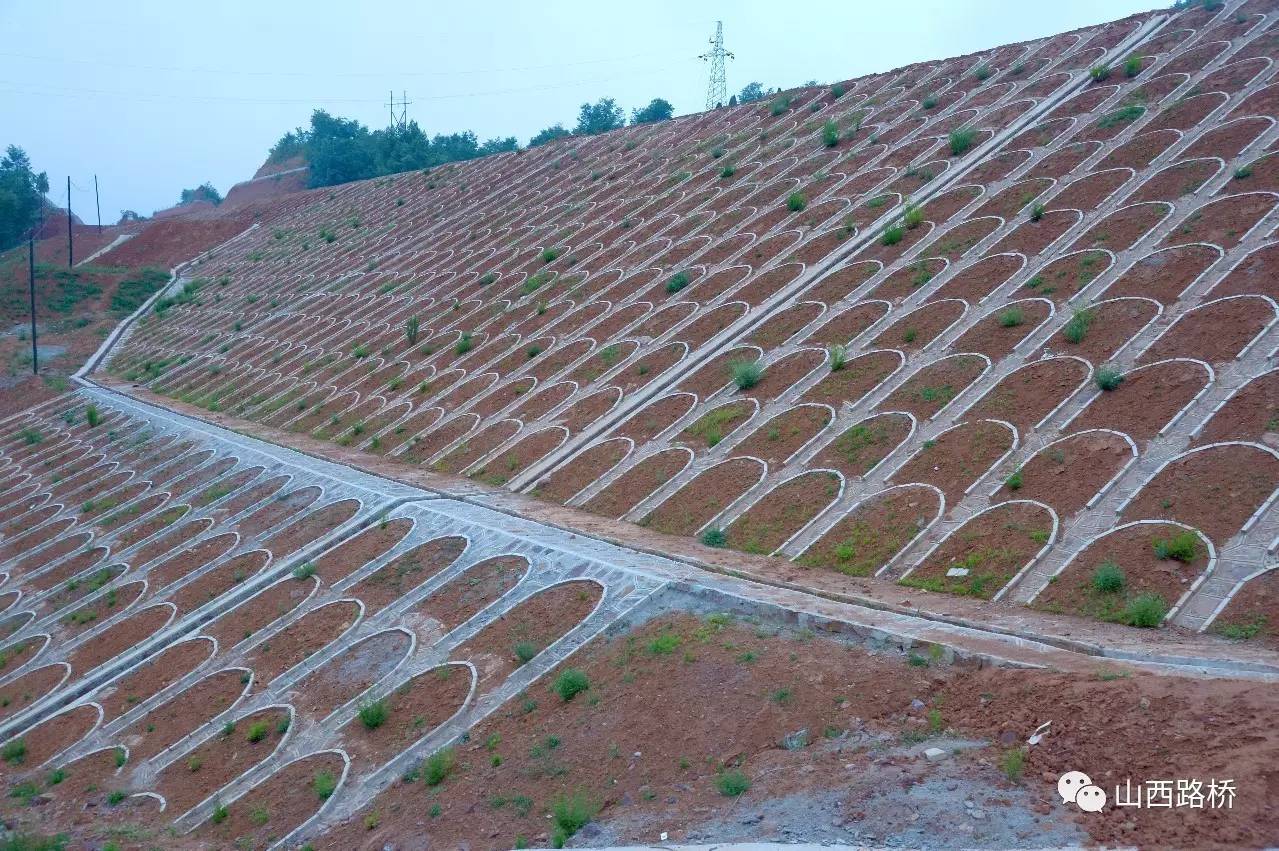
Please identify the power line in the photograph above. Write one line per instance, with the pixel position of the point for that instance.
(44, 90)
(221, 72)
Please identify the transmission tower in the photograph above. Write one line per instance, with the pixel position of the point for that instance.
(400, 121)
(717, 89)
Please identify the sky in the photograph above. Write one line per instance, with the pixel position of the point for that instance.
(153, 95)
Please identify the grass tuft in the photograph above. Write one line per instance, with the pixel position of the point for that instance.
(373, 714)
(1108, 378)
(961, 140)
(570, 683)
(732, 783)
(1108, 578)
(746, 374)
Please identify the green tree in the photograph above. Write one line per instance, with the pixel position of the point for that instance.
(499, 146)
(339, 150)
(658, 109)
(290, 145)
(599, 117)
(752, 92)
(550, 134)
(203, 192)
(21, 196)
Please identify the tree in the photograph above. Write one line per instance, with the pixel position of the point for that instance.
(21, 196)
(203, 192)
(130, 216)
(658, 109)
(290, 145)
(339, 150)
(751, 92)
(499, 146)
(732, 101)
(600, 117)
(550, 134)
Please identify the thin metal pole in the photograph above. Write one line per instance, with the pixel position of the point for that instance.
(31, 269)
(97, 202)
(70, 243)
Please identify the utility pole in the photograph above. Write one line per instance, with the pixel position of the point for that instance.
(70, 241)
(97, 202)
(717, 88)
(31, 272)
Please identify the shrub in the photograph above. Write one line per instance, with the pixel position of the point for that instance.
(257, 731)
(1014, 481)
(92, 415)
(727, 171)
(893, 234)
(1108, 578)
(1099, 73)
(677, 282)
(525, 651)
(324, 785)
(1243, 172)
(838, 357)
(1182, 547)
(796, 202)
(780, 104)
(830, 133)
(714, 538)
(570, 683)
(571, 813)
(961, 140)
(1145, 610)
(487, 278)
(1132, 66)
(220, 814)
(837, 91)
(464, 343)
(550, 254)
(1037, 212)
(360, 351)
(305, 570)
(411, 327)
(732, 783)
(982, 72)
(929, 102)
(438, 766)
(373, 714)
(1012, 317)
(1108, 378)
(14, 751)
(1077, 327)
(746, 374)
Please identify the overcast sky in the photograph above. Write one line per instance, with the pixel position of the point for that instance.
(157, 95)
